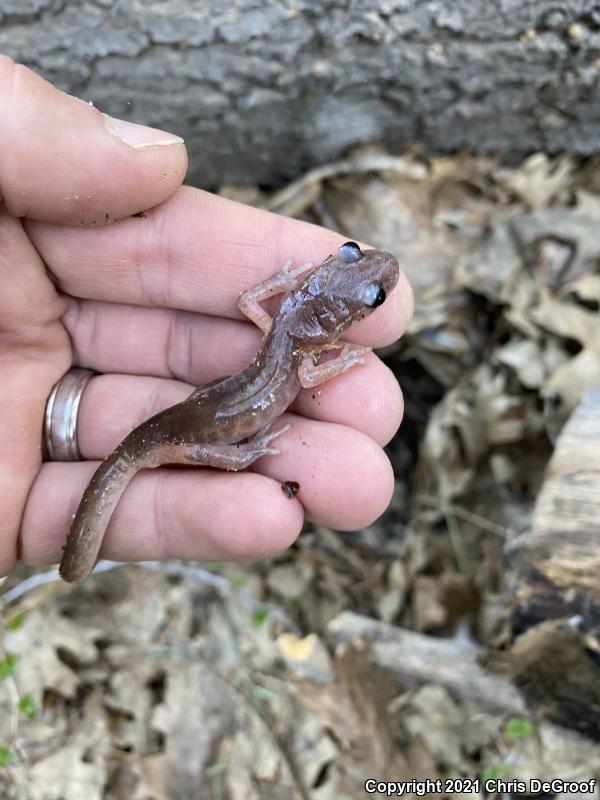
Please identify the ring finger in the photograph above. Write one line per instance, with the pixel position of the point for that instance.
(313, 453)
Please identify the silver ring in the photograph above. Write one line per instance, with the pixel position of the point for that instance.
(60, 419)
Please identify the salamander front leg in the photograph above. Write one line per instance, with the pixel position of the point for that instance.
(311, 374)
(285, 281)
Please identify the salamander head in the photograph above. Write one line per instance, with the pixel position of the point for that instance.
(350, 285)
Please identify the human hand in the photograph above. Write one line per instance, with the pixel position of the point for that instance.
(151, 302)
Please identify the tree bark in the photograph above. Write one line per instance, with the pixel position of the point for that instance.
(555, 657)
(261, 91)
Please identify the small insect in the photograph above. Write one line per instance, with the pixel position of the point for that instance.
(290, 489)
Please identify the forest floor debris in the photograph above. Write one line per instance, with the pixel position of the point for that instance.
(360, 655)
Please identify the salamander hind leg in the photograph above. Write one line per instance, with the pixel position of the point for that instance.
(225, 456)
(113, 475)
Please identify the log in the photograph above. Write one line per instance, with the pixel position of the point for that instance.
(561, 555)
(264, 91)
(416, 659)
(555, 657)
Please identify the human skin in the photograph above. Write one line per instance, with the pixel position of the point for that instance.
(150, 302)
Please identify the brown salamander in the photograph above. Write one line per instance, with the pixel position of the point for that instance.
(227, 424)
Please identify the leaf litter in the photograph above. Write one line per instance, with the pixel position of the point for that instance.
(370, 654)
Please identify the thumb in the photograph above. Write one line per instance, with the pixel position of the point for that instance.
(62, 160)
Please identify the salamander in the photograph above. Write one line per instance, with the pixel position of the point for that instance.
(228, 424)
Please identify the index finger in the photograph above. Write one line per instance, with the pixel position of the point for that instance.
(197, 252)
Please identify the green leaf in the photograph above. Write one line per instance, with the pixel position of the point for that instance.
(239, 581)
(493, 771)
(27, 706)
(5, 757)
(516, 728)
(448, 770)
(216, 769)
(15, 622)
(8, 665)
(259, 617)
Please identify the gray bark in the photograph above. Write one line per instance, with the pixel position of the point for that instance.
(262, 90)
(416, 659)
(555, 659)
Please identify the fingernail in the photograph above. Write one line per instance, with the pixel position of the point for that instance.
(139, 136)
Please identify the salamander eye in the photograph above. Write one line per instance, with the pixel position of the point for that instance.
(373, 294)
(349, 252)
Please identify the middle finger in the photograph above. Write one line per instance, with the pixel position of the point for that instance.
(197, 349)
